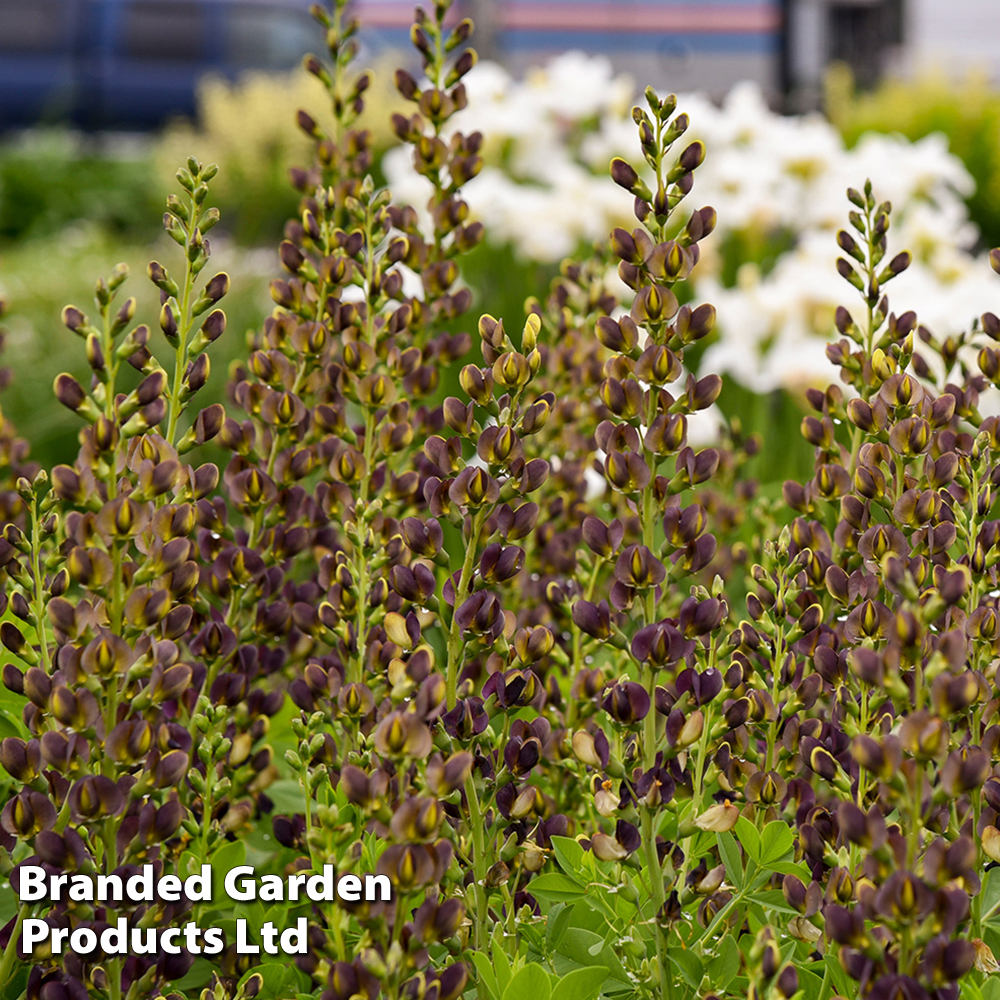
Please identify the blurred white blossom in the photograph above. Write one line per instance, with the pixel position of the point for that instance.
(545, 189)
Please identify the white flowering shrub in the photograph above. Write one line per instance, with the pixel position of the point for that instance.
(776, 181)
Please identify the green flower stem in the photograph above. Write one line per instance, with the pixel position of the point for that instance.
(649, 825)
(918, 684)
(976, 926)
(10, 952)
(864, 389)
(699, 774)
(273, 453)
(863, 729)
(114, 970)
(208, 806)
(115, 616)
(339, 67)
(900, 463)
(510, 934)
(656, 886)
(112, 364)
(184, 324)
(478, 861)
(455, 643)
(370, 293)
(779, 656)
(39, 581)
(368, 453)
(588, 595)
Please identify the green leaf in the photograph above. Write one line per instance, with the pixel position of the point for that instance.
(557, 923)
(16, 986)
(724, 966)
(484, 966)
(776, 841)
(557, 887)
(11, 725)
(730, 855)
(837, 974)
(690, 965)
(231, 854)
(569, 853)
(9, 902)
(196, 977)
(773, 899)
(253, 913)
(223, 861)
(501, 963)
(791, 868)
(991, 890)
(581, 984)
(810, 985)
(286, 795)
(575, 949)
(991, 935)
(529, 983)
(188, 865)
(749, 838)
(11, 702)
(274, 976)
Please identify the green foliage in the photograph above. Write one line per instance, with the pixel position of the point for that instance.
(42, 274)
(57, 178)
(968, 113)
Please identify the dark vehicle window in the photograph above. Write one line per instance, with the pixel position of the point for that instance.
(269, 39)
(32, 25)
(168, 30)
(860, 34)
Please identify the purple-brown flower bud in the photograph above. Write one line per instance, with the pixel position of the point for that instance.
(627, 703)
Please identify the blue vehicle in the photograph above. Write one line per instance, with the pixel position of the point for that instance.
(134, 63)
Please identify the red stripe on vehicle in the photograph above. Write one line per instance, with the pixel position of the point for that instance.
(634, 17)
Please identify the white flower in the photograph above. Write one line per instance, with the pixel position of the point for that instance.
(545, 189)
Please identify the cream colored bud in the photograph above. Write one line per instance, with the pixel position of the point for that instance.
(991, 843)
(607, 848)
(985, 960)
(712, 881)
(532, 857)
(395, 628)
(583, 748)
(693, 727)
(523, 804)
(606, 803)
(803, 929)
(718, 818)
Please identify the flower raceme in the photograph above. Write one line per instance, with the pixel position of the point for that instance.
(552, 672)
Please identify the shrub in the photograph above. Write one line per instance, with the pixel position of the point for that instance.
(56, 178)
(497, 637)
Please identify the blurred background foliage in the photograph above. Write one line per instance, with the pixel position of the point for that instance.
(967, 112)
(51, 177)
(72, 206)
